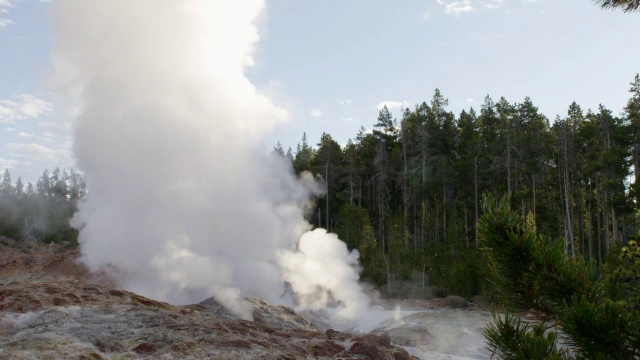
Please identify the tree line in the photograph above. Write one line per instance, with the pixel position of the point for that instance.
(40, 213)
(407, 194)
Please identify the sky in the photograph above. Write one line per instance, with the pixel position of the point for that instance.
(332, 64)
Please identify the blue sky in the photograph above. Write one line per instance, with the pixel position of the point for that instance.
(332, 63)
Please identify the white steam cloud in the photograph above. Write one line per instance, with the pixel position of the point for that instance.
(181, 206)
(323, 262)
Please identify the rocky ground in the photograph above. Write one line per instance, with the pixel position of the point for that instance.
(53, 308)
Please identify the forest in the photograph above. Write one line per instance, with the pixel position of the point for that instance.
(41, 213)
(407, 195)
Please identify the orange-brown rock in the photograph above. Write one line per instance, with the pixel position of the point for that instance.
(52, 307)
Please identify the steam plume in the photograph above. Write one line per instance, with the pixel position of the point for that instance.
(181, 206)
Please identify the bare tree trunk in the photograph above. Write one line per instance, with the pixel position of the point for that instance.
(351, 189)
(444, 211)
(326, 174)
(606, 222)
(423, 223)
(562, 205)
(476, 190)
(416, 230)
(509, 168)
(567, 196)
(598, 228)
(405, 195)
(569, 226)
(581, 222)
(360, 192)
(636, 170)
(425, 232)
(534, 197)
(386, 264)
(437, 224)
(466, 226)
(590, 223)
(614, 225)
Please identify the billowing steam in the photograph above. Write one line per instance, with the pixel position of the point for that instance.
(181, 206)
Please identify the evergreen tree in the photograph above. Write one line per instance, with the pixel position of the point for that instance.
(31, 190)
(77, 186)
(304, 156)
(530, 272)
(386, 125)
(6, 186)
(491, 147)
(468, 150)
(327, 162)
(632, 111)
(625, 5)
(19, 190)
(289, 155)
(419, 182)
(352, 172)
(278, 150)
(43, 186)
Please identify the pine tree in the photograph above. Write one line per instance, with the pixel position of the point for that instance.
(531, 273)
(625, 5)
(43, 186)
(327, 162)
(632, 111)
(6, 186)
(278, 150)
(304, 156)
(19, 190)
(468, 148)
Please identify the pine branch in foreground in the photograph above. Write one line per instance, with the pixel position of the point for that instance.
(566, 298)
(625, 5)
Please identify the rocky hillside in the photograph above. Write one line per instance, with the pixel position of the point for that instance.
(53, 308)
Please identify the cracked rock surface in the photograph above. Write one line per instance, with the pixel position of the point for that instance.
(53, 308)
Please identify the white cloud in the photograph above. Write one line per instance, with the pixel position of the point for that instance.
(44, 124)
(24, 106)
(7, 163)
(344, 102)
(48, 136)
(33, 152)
(10, 129)
(493, 4)
(5, 22)
(6, 112)
(25, 135)
(392, 104)
(347, 119)
(426, 15)
(470, 100)
(32, 106)
(456, 7)
(316, 113)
